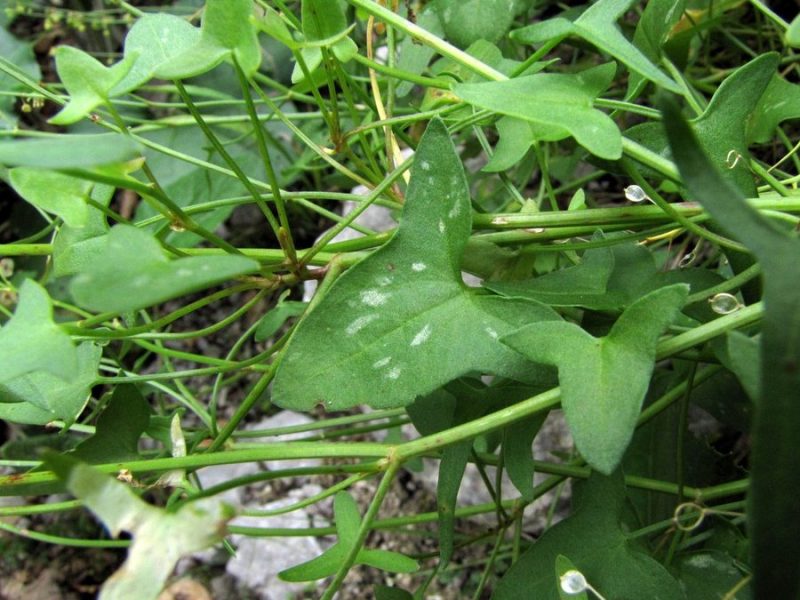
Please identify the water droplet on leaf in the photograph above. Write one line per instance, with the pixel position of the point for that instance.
(635, 194)
(724, 303)
(573, 582)
(687, 260)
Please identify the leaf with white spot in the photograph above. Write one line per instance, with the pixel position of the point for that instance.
(130, 271)
(401, 323)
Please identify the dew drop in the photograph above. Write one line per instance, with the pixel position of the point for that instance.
(6, 267)
(635, 194)
(573, 582)
(724, 303)
(687, 260)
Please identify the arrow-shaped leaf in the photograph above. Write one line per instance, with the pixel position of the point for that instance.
(607, 278)
(87, 80)
(401, 323)
(597, 25)
(556, 106)
(347, 520)
(31, 342)
(130, 271)
(722, 126)
(603, 381)
(595, 542)
(40, 397)
(226, 31)
(54, 192)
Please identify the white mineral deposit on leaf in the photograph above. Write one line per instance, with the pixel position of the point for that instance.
(418, 267)
(422, 335)
(492, 333)
(635, 194)
(425, 165)
(183, 272)
(359, 324)
(724, 303)
(374, 297)
(384, 281)
(455, 211)
(441, 226)
(393, 373)
(382, 362)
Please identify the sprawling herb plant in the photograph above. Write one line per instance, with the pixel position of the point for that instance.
(620, 176)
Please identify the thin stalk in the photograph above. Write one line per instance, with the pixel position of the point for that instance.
(363, 530)
(232, 164)
(284, 231)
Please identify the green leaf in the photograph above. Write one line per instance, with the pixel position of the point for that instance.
(773, 511)
(74, 247)
(154, 41)
(131, 271)
(793, 33)
(466, 21)
(413, 56)
(384, 592)
(563, 564)
(68, 151)
(779, 102)
(596, 544)
(451, 470)
(276, 317)
(518, 453)
(160, 538)
(40, 397)
(557, 105)
(711, 574)
(722, 126)
(652, 30)
(745, 361)
(516, 136)
(323, 21)
(21, 55)
(88, 82)
(118, 429)
(603, 381)
(227, 31)
(53, 192)
(31, 342)
(273, 25)
(396, 316)
(348, 521)
(597, 25)
(607, 278)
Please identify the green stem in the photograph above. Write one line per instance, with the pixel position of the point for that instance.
(426, 37)
(363, 530)
(232, 164)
